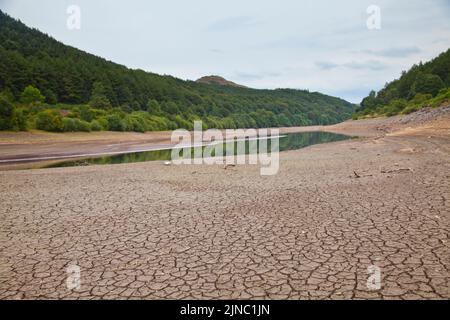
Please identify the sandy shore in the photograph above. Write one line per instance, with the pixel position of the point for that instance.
(145, 230)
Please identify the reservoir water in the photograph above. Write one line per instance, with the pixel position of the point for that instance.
(290, 141)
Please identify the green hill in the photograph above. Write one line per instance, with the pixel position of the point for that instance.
(52, 86)
(425, 84)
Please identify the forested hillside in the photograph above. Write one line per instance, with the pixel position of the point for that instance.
(47, 85)
(423, 85)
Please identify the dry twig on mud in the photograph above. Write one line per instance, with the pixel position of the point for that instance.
(396, 170)
(357, 175)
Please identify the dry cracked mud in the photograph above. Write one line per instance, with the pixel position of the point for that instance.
(146, 230)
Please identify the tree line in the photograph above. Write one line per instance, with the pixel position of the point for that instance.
(425, 84)
(47, 85)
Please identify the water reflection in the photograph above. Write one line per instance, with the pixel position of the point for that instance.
(289, 141)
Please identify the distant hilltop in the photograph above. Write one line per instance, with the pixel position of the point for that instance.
(218, 80)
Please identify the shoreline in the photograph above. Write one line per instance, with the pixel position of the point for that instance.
(22, 149)
(22, 154)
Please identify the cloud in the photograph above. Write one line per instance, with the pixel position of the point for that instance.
(374, 65)
(400, 52)
(248, 76)
(324, 65)
(255, 75)
(231, 23)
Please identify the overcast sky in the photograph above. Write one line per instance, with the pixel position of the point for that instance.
(317, 45)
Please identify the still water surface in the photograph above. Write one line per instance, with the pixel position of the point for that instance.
(290, 141)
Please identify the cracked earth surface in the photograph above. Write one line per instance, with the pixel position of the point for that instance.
(146, 230)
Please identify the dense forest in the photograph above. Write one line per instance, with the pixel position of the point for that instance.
(47, 85)
(424, 85)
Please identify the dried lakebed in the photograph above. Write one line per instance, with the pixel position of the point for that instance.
(147, 231)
